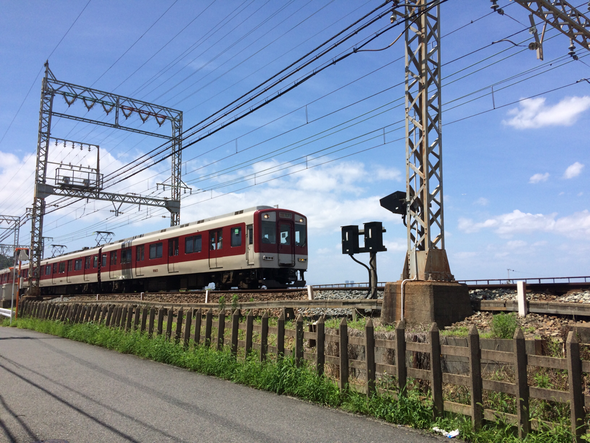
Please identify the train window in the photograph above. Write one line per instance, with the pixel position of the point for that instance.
(104, 260)
(156, 251)
(48, 270)
(268, 230)
(193, 244)
(62, 267)
(87, 262)
(113, 258)
(250, 235)
(95, 261)
(172, 247)
(300, 236)
(236, 236)
(285, 233)
(139, 253)
(55, 268)
(126, 255)
(70, 266)
(78, 265)
(216, 239)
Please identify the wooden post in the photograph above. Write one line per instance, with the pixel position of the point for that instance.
(92, 313)
(343, 354)
(299, 340)
(281, 335)
(152, 321)
(208, 326)
(101, 314)
(124, 317)
(221, 329)
(198, 320)
(400, 356)
(169, 322)
(249, 331)
(109, 315)
(574, 369)
(161, 311)
(187, 327)
(235, 328)
(522, 387)
(475, 378)
(137, 317)
(370, 356)
(436, 372)
(320, 359)
(264, 337)
(179, 321)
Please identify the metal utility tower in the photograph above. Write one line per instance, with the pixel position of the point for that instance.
(91, 187)
(15, 221)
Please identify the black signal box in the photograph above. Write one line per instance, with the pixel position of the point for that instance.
(374, 237)
(395, 202)
(350, 239)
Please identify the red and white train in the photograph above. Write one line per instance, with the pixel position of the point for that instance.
(251, 248)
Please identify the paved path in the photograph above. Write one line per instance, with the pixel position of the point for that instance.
(56, 389)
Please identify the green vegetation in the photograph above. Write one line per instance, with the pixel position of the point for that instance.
(283, 376)
(504, 325)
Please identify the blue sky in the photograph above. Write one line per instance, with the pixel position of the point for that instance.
(515, 128)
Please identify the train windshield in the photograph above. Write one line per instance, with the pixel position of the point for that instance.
(269, 232)
(300, 235)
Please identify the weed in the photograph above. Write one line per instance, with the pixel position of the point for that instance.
(234, 302)
(222, 303)
(504, 325)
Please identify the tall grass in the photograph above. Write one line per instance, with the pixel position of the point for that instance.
(282, 376)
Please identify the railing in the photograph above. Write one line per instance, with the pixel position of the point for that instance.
(6, 312)
(531, 281)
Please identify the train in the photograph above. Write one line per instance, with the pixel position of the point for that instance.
(259, 247)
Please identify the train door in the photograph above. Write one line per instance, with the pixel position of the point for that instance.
(126, 265)
(113, 260)
(172, 255)
(139, 260)
(286, 243)
(87, 268)
(250, 244)
(55, 273)
(215, 248)
(69, 269)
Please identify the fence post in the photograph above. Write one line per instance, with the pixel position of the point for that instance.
(152, 316)
(160, 320)
(400, 356)
(179, 321)
(522, 388)
(574, 369)
(208, 326)
(370, 356)
(299, 340)
(281, 335)
(320, 345)
(110, 310)
(124, 314)
(198, 321)
(235, 327)
(249, 330)
(137, 317)
(187, 327)
(436, 372)
(221, 329)
(343, 354)
(264, 337)
(475, 378)
(169, 322)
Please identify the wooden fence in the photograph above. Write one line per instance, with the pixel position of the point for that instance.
(370, 357)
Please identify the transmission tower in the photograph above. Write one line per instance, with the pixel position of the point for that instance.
(15, 222)
(90, 186)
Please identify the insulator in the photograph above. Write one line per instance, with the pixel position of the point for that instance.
(572, 50)
(496, 8)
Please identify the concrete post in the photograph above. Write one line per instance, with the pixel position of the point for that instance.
(521, 297)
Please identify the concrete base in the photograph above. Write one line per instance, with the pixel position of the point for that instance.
(426, 302)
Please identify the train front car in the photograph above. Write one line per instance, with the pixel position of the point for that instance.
(280, 247)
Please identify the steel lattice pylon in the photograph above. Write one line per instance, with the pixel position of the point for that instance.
(426, 257)
(109, 102)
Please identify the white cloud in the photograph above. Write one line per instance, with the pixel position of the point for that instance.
(534, 113)
(482, 201)
(575, 225)
(573, 170)
(538, 178)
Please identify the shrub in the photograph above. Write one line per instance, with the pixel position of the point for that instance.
(504, 325)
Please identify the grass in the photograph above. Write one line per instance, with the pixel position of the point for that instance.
(282, 376)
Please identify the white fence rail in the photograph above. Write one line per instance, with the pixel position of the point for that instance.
(5, 312)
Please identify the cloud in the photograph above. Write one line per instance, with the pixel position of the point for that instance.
(482, 201)
(534, 113)
(576, 225)
(573, 170)
(538, 178)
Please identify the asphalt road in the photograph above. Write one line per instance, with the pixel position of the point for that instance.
(56, 389)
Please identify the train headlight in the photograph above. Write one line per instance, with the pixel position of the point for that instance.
(302, 260)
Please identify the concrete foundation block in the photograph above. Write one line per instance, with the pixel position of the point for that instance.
(426, 302)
